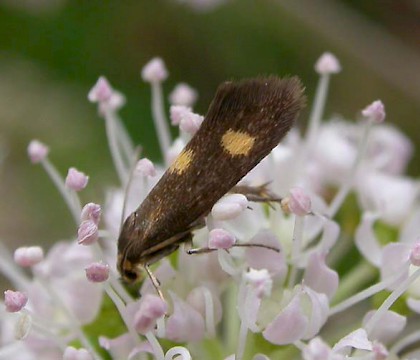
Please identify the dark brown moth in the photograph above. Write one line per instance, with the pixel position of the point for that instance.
(245, 121)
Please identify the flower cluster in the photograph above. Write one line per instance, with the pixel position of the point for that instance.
(340, 187)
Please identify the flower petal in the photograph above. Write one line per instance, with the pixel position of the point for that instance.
(414, 304)
(185, 323)
(357, 340)
(366, 240)
(319, 277)
(319, 312)
(387, 328)
(119, 347)
(289, 326)
(260, 258)
(391, 196)
(248, 306)
(395, 260)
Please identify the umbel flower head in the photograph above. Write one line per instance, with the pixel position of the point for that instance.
(234, 302)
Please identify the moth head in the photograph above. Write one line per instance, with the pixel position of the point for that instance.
(130, 272)
(128, 263)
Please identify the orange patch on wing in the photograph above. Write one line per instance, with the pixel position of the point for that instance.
(182, 162)
(237, 142)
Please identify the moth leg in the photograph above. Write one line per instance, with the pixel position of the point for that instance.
(155, 282)
(259, 193)
(188, 247)
(197, 224)
(203, 250)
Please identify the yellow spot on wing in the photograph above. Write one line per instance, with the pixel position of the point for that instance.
(182, 162)
(237, 142)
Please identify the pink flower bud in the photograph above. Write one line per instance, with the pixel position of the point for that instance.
(91, 211)
(375, 111)
(101, 91)
(71, 353)
(14, 301)
(76, 180)
(28, 256)
(327, 64)
(114, 103)
(260, 280)
(146, 168)
(97, 272)
(221, 239)
(229, 207)
(190, 122)
(37, 151)
(177, 112)
(152, 307)
(298, 203)
(415, 254)
(87, 233)
(154, 71)
(183, 94)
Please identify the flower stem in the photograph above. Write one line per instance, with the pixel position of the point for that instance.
(116, 152)
(348, 184)
(9, 269)
(231, 319)
(209, 311)
(405, 342)
(120, 306)
(296, 247)
(70, 197)
(124, 140)
(154, 343)
(159, 118)
(364, 294)
(240, 350)
(354, 279)
(316, 112)
(390, 300)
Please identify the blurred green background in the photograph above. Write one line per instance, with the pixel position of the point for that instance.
(52, 52)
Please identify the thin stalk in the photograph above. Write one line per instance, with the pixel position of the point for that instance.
(9, 269)
(353, 280)
(70, 198)
(231, 319)
(114, 148)
(316, 112)
(362, 295)
(390, 300)
(120, 307)
(160, 120)
(154, 343)
(296, 248)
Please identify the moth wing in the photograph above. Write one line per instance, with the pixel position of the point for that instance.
(245, 121)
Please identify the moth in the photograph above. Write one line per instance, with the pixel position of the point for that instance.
(245, 121)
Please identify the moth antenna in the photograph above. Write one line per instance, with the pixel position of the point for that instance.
(136, 156)
(155, 282)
